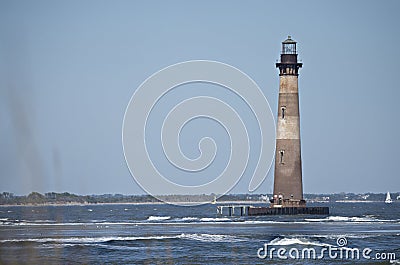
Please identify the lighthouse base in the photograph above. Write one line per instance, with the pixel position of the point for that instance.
(253, 211)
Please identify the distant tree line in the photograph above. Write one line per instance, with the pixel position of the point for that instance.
(7, 198)
(69, 198)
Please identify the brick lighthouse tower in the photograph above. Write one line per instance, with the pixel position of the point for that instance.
(288, 181)
(288, 185)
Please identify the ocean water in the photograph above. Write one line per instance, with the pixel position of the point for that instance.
(165, 234)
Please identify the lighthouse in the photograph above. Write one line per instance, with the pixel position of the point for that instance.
(287, 196)
(288, 183)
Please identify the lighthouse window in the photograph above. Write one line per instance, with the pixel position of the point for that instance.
(283, 112)
(281, 156)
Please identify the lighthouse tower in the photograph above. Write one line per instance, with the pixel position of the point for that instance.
(288, 182)
(288, 186)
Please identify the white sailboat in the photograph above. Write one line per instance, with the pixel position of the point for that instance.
(388, 198)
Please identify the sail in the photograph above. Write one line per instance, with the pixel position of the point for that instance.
(388, 199)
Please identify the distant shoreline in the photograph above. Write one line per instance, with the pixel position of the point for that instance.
(175, 203)
(131, 203)
(83, 204)
(8, 199)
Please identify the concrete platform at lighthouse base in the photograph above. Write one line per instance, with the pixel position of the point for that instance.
(253, 211)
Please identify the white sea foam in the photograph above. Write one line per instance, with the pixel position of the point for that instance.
(151, 220)
(188, 219)
(210, 238)
(158, 218)
(111, 223)
(207, 219)
(81, 240)
(93, 240)
(163, 220)
(295, 241)
(348, 219)
(97, 245)
(270, 222)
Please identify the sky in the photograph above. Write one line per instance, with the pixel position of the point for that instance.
(69, 68)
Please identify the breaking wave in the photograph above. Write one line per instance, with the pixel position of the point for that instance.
(348, 219)
(295, 241)
(94, 240)
(168, 220)
(158, 218)
(211, 238)
(207, 219)
(185, 219)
